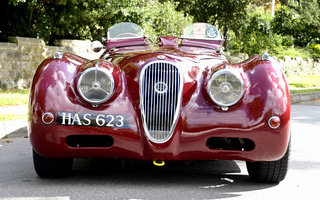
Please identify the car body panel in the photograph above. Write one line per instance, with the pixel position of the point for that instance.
(54, 90)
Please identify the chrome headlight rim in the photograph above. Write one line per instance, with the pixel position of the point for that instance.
(233, 72)
(97, 69)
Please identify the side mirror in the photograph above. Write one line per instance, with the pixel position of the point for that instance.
(96, 46)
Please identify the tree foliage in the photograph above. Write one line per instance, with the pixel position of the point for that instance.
(89, 19)
(255, 36)
(300, 21)
(246, 24)
(225, 14)
(58, 19)
(157, 18)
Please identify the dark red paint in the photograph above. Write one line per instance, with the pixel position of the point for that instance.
(266, 95)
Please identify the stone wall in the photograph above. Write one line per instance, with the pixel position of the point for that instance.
(20, 57)
(298, 66)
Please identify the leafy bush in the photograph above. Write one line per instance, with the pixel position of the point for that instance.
(315, 50)
(157, 19)
(300, 21)
(255, 36)
(282, 36)
(293, 52)
(82, 19)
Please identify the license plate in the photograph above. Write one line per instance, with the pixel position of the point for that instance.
(93, 119)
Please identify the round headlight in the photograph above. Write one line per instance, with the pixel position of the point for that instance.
(226, 87)
(96, 85)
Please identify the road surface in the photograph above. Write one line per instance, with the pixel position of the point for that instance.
(105, 179)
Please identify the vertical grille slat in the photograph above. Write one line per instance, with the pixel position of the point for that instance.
(160, 94)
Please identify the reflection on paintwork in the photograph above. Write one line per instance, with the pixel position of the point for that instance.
(203, 129)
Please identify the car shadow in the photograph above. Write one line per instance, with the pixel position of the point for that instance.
(225, 175)
(220, 178)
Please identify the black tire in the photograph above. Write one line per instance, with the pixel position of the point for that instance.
(269, 172)
(51, 167)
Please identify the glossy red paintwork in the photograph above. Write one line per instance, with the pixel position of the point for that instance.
(168, 41)
(213, 44)
(266, 95)
(122, 42)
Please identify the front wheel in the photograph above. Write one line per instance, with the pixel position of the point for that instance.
(51, 167)
(269, 172)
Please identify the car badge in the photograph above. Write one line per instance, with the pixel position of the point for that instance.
(161, 57)
(161, 87)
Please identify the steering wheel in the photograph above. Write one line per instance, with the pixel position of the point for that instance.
(126, 34)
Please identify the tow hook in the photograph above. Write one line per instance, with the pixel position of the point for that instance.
(159, 163)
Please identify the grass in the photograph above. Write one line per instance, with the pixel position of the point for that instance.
(304, 84)
(304, 81)
(304, 91)
(282, 51)
(13, 97)
(12, 116)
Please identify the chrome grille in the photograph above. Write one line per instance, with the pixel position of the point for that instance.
(160, 95)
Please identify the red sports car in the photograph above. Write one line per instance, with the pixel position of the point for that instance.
(178, 100)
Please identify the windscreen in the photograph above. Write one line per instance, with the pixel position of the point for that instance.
(125, 30)
(201, 31)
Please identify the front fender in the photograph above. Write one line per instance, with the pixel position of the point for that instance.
(54, 91)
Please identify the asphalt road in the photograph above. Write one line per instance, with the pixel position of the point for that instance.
(104, 179)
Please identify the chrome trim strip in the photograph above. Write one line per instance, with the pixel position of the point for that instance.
(160, 107)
